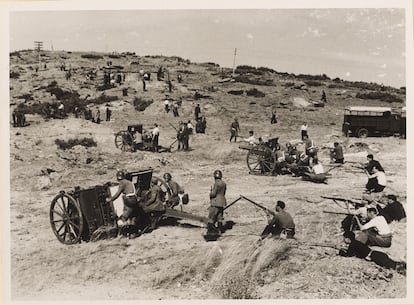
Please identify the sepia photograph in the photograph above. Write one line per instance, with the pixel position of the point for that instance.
(221, 152)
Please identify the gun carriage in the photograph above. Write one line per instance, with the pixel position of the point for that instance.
(75, 215)
(261, 158)
(137, 138)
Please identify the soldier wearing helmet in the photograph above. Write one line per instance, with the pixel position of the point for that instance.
(126, 188)
(175, 189)
(153, 205)
(217, 203)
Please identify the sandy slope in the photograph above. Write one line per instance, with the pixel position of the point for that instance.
(174, 262)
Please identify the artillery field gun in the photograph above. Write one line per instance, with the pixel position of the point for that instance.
(137, 138)
(77, 214)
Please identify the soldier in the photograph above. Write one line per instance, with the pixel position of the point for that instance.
(126, 188)
(153, 204)
(304, 130)
(108, 114)
(376, 231)
(281, 224)
(234, 130)
(337, 154)
(217, 203)
(155, 134)
(175, 189)
(197, 112)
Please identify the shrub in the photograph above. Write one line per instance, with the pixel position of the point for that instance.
(253, 81)
(103, 99)
(238, 287)
(185, 71)
(265, 69)
(14, 75)
(141, 104)
(91, 56)
(26, 97)
(313, 77)
(114, 56)
(256, 93)
(87, 142)
(313, 83)
(236, 92)
(31, 109)
(134, 63)
(288, 84)
(383, 96)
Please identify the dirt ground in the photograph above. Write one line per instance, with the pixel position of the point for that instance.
(174, 262)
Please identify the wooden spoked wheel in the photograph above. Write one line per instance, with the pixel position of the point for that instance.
(66, 219)
(261, 160)
(124, 141)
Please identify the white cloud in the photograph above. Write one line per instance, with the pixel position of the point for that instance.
(65, 39)
(389, 35)
(347, 74)
(383, 66)
(382, 75)
(375, 53)
(313, 32)
(216, 21)
(249, 35)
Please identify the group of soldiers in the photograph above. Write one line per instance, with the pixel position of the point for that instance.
(143, 209)
(19, 118)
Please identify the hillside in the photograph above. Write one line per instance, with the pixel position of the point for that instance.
(174, 262)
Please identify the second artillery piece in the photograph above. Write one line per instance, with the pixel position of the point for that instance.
(137, 138)
(261, 158)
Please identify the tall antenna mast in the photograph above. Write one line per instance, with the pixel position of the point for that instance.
(38, 48)
(234, 61)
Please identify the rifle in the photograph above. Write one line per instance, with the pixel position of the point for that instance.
(338, 213)
(230, 204)
(268, 211)
(174, 127)
(354, 202)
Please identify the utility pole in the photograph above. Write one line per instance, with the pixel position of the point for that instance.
(38, 48)
(234, 61)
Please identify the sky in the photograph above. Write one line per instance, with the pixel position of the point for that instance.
(352, 44)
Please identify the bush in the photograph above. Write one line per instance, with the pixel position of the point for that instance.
(31, 109)
(313, 83)
(313, 77)
(14, 75)
(238, 287)
(256, 93)
(265, 69)
(91, 56)
(253, 81)
(103, 99)
(26, 97)
(288, 84)
(87, 142)
(382, 96)
(245, 69)
(236, 92)
(141, 104)
(114, 56)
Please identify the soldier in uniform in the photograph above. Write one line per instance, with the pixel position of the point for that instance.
(281, 224)
(126, 188)
(217, 203)
(175, 189)
(153, 204)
